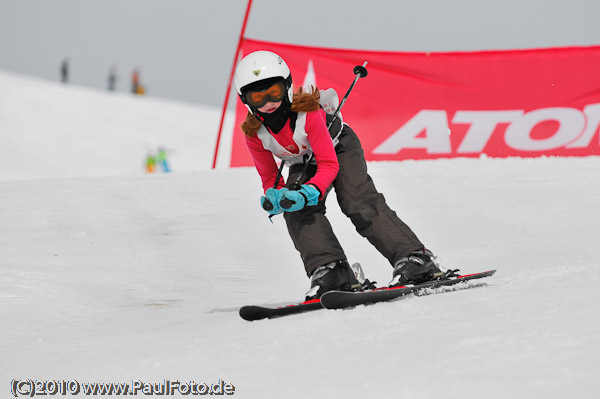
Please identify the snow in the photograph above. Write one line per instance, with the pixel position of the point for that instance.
(108, 274)
(72, 131)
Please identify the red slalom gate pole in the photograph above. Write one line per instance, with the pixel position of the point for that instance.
(235, 57)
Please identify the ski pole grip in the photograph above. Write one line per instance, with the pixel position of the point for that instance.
(286, 203)
(267, 205)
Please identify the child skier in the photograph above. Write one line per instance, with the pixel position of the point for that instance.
(292, 126)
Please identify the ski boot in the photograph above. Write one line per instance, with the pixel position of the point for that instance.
(416, 268)
(338, 275)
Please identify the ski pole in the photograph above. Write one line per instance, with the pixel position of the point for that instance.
(360, 71)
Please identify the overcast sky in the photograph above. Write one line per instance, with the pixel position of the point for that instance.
(185, 48)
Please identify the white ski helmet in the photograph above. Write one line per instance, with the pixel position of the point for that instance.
(261, 66)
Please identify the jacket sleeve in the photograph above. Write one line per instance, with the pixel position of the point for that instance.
(264, 162)
(323, 150)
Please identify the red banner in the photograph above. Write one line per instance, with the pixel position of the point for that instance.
(524, 103)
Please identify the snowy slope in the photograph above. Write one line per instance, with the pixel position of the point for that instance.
(139, 277)
(52, 130)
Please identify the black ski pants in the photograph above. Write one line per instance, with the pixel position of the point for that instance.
(358, 198)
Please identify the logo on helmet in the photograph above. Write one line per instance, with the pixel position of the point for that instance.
(256, 72)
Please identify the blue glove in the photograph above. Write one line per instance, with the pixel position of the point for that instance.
(306, 196)
(273, 196)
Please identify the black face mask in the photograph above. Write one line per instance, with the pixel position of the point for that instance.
(275, 121)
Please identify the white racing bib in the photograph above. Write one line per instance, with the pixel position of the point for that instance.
(300, 137)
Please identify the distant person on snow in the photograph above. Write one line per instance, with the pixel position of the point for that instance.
(291, 126)
(161, 159)
(136, 86)
(112, 78)
(150, 163)
(64, 70)
(135, 81)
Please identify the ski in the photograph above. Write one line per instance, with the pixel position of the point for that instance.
(255, 312)
(345, 299)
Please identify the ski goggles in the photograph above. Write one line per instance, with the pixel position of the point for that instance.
(273, 93)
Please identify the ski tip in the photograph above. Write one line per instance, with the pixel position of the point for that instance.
(250, 313)
(255, 312)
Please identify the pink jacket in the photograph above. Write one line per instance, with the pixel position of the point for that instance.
(320, 142)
